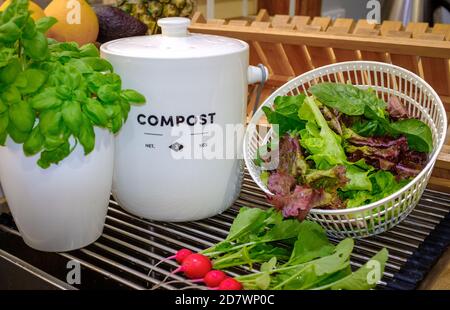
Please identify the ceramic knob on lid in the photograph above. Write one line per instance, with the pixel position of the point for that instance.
(174, 26)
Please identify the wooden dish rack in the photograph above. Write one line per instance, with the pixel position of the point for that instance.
(289, 46)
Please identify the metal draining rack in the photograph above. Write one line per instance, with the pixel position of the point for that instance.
(126, 254)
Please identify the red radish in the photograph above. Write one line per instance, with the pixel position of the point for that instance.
(230, 284)
(179, 256)
(214, 278)
(182, 254)
(195, 266)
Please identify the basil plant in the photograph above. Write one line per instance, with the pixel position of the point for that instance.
(52, 94)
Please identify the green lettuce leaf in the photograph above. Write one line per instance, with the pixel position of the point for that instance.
(285, 113)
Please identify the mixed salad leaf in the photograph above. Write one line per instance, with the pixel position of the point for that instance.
(53, 94)
(342, 147)
(291, 255)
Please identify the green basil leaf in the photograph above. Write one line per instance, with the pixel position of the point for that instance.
(52, 142)
(63, 46)
(20, 19)
(6, 55)
(37, 47)
(22, 116)
(21, 81)
(34, 143)
(17, 135)
(125, 106)
(4, 121)
(114, 80)
(29, 31)
(80, 95)
(417, 132)
(11, 95)
(133, 96)
(112, 110)
(46, 99)
(9, 32)
(3, 107)
(64, 92)
(35, 79)
(75, 77)
(87, 135)
(3, 136)
(107, 93)
(89, 50)
(95, 81)
(96, 113)
(15, 8)
(72, 116)
(116, 123)
(45, 23)
(54, 156)
(8, 74)
(80, 65)
(50, 122)
(98, 64)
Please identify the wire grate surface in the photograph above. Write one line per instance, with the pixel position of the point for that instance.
(126, 253)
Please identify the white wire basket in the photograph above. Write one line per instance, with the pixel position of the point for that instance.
(422, 102)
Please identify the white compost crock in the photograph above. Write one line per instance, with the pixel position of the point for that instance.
(199, 82)
(63, 207)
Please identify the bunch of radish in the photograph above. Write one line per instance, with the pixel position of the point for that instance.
(198, 268)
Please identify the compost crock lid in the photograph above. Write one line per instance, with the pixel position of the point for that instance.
(174, 42)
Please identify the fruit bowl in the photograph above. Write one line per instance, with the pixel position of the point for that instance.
(421, 102)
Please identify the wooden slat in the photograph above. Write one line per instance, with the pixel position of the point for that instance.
(216, 21)
(198, 18)
(443, 160)
(323, 39)
(297, 54)
(442, 28)
(343, 26)
(320, 56)
(300, 21)
(323, 22)
(440, 179)
(365, 29)
(280, 20)
(390, 25)
(257, 54)
(417, 28)
(439, 184)
(286, 27)
(393, 29)
(274, 55)
(263, 16)
(238, 23)
(436, 70)
(261, 25)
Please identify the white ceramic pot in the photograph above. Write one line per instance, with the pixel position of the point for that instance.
(61, 208)
(196, 81)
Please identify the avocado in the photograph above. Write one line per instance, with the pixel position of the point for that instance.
(115, 24)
